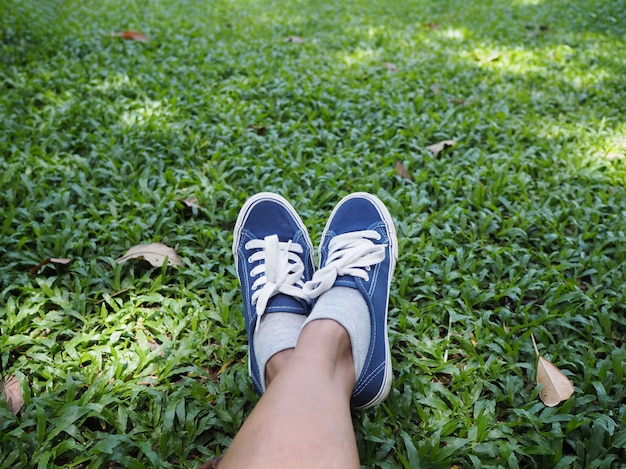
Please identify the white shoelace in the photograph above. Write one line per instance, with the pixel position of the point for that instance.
(280, 272)
(348, 254)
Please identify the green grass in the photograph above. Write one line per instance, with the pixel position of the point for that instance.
(519, 228)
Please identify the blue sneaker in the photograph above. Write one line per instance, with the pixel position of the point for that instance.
(359, 250)
(274, 258)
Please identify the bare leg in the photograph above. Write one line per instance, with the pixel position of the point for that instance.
(275, 364)
(303, 420)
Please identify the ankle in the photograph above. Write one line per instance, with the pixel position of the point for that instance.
(275, 364)
(328, 342)
(348, 308)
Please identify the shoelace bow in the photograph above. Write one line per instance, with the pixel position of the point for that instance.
(351, 254)
(281, 271)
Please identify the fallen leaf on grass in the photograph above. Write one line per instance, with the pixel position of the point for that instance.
(50, 260)
(391, 67)
(12, 393)
(294, 39)
(154, 253)
(131, 36)
(459, 101)
(402, 171)
(259, 129)
(191, 202)
(556, 386)
(431, 25)
(437, 148)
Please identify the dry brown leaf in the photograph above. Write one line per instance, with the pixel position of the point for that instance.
(60, 260)
(12, 393)
(391, 67)
(431, 25)
(402, 171)
(459, 101)
(131, 36)
(154, 253)
(556, 386)
(294, 39)
(50, 260)
(191, 202)
(259, 129)
(437, 148)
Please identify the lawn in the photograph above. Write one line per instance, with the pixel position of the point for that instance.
(515, 228)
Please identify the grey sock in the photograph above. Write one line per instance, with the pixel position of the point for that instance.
(277, 332)
(348, 307)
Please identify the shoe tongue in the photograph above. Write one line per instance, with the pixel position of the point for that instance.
(282, 303)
